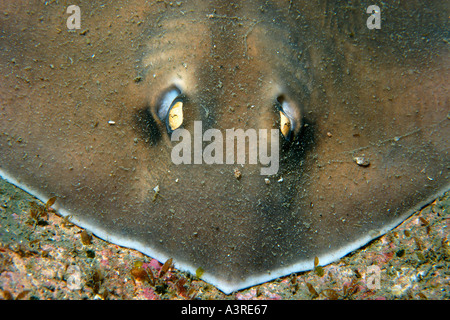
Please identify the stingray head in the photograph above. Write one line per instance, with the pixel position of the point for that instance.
(242, 138)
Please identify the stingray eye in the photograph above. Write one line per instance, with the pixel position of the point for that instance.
(170, 109)
(285, 125)
(289, 118)
(175, 117)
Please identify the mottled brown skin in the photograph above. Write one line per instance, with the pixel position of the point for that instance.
(381, 94)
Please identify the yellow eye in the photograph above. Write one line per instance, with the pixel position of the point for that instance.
(175, 116)
(285, 125)
(290, 117)
(170, 109)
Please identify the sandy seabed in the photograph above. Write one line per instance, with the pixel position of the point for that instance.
(47, 257)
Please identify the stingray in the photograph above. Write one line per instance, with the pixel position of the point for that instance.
(122, 109)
